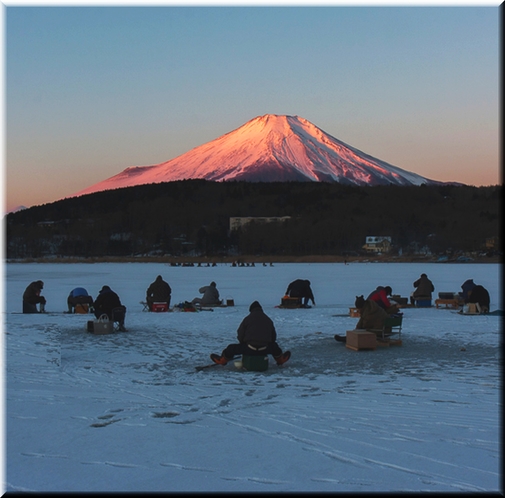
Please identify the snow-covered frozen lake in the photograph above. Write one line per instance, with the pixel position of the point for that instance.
(128, 411)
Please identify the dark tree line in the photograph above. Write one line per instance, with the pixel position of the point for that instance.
(180, 217)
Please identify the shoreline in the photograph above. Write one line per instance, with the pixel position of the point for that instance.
(249, 259)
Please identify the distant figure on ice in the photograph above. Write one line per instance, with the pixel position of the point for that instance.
(79, 301)
(158, 292)
(424, 288)
(32, 297)
(256, 337)
(380, 296)
(480, 295)
(301, 288)
(210, 296)
(108, 303)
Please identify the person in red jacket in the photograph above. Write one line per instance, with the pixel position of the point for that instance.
(380, 296)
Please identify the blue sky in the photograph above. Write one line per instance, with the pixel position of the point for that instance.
(90, 91)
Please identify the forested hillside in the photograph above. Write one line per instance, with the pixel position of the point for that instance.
(193, 217)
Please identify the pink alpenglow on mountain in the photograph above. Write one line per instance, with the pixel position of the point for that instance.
(269, 148)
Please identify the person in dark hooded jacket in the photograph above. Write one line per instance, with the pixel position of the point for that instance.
(108, 303)
(32, 297)
(158, 292)
(424, 287)
(301, 288)
(256, 336)
(479, 294)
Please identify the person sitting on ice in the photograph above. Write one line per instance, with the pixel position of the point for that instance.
(158, 292)
(108, 303)
(380, 296)
(32, 297)
(79, 296)
(301, 288)
(372, 316)
(256, 337)
(210, 296)
(479, 295)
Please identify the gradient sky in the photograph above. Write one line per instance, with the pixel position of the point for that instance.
(90, 91)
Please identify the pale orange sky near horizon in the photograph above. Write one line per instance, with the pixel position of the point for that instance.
(92, 91)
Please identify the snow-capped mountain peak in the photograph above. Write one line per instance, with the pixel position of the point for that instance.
(269, 148)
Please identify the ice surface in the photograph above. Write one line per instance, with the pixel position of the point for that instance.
(128, 411)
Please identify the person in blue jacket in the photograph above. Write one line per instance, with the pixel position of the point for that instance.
(79, 295)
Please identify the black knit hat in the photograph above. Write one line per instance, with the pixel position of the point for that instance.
(360, 302)
(254, 305)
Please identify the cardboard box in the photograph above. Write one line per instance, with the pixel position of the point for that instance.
(471, 309)
(360, 339)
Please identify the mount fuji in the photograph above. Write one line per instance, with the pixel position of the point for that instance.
(269, 148)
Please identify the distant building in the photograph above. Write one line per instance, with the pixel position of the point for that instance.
(239, 221)
(492, 242)
(377, 244)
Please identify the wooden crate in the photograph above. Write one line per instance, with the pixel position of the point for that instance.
(449, 303)
(359, 339)
(291, 302)
(354, 312)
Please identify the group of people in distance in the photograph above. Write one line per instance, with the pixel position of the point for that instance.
(160, 292)
(256, 333)
(108, 302)
(377, 306)
(79, 301)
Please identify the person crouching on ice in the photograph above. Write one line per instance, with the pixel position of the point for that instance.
(256, 337)
(32, 297)
(301, 288)
(77, 296)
